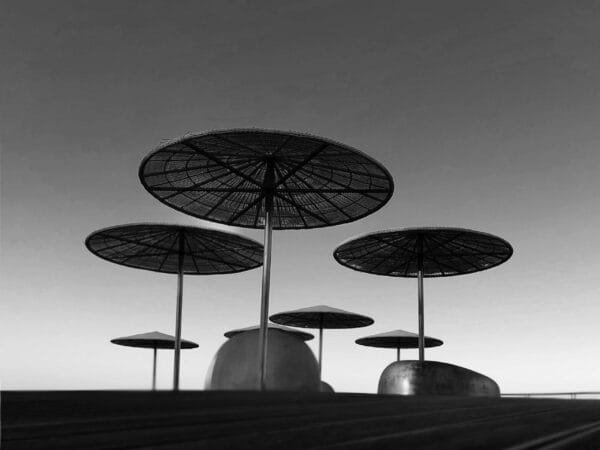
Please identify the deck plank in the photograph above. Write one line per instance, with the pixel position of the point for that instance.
(242, 420)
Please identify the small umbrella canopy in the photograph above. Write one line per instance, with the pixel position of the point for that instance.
(153, 339)
(266, 179)
(175, 249)
(397, 339)
(321, 316)
(301, 334)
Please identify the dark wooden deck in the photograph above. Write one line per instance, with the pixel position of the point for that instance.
(286, 421)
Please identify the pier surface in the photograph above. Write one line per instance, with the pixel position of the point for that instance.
(284, 420)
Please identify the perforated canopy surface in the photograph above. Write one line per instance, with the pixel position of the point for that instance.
(225, 176)
(443, 251)
(321, 317)
(157, 247)
(154, 339)
(397, 339)
(301, 334)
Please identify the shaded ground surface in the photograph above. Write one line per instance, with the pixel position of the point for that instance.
(250, 420)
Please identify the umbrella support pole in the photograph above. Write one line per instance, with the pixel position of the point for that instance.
(421, 307)
(398, 354)
(177, 356)
(421, 320)
(264, 305)
(154, 370)
(320, 349)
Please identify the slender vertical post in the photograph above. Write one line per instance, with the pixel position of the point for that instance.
(178, 315)
(321, 348)
(266, 276)
(154, 371)
(421, 307)
(398, 354)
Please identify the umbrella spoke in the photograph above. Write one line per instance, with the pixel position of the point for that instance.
(229, 167)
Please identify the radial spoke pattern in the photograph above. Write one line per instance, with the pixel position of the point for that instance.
(445, 252)
(397, 339)
(321, 316)
(220, 176)
(157, 247)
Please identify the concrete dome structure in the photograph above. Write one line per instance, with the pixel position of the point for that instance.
(292, 366)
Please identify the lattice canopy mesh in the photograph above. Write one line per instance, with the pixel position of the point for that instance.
(445, 252)
(321, 316)
(223, 177)
(397, 339)
(153, 339)
(157, 247)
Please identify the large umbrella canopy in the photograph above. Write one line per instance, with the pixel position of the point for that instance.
(321, 316)
(153, 339)
(436, 252)
(397, 339)
(266, 179)
(159, 247)
(225, 176)
(421, 253)
(175, 249)
(301, 334)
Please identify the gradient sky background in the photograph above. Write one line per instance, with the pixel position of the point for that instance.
(486, 113)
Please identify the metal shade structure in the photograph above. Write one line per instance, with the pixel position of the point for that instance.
(175, 249)
(423, 253)
(266, 179)
(154, 340)
(321, 317)
(301, 334)
(397, 339)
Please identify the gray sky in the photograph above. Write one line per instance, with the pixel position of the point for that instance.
(485, 113)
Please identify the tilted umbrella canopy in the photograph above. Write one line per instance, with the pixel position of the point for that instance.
(442, 252)
(321, 317)
(175, 249)
(158, 247)
(266, 179)
(422, 253)
(301, 334)
(397, 339)
(154, 339)
(225, 176)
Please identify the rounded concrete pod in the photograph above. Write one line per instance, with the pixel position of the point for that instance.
(326, 387)
(291, 365)
(435, 378)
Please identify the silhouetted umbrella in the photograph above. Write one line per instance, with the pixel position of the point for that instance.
(175, 249)
(321, 317)
(266, 179)
(422, 253)
(153, 340)
(397, 339)
(301, 334)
